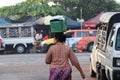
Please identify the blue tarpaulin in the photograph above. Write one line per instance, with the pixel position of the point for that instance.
(72, 24)
(3, 21)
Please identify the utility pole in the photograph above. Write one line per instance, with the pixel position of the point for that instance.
(81, 13)
(81, 18)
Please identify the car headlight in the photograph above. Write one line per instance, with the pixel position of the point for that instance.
(116, 62)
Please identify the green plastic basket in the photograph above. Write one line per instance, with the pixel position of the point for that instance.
(58, 26)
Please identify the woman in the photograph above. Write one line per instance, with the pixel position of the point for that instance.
(58, 57)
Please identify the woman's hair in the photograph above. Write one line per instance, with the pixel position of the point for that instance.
(60, 37)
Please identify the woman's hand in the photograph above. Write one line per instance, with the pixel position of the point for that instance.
(83, 75)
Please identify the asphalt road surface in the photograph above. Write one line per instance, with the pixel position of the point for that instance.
(32, 67)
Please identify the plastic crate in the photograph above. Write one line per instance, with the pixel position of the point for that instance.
(58, 26)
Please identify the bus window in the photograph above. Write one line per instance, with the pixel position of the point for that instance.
(69, 34)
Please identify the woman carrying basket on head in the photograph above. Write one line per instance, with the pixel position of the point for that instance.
(58, 57)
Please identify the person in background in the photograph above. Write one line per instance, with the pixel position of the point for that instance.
(45, 37)
(38, 38)
(58, 57)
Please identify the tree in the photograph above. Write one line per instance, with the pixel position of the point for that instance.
(70, 8)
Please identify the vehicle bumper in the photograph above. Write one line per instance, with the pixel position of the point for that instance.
(116, 75)
(1, 48)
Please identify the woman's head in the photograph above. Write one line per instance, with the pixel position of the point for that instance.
(60, 37)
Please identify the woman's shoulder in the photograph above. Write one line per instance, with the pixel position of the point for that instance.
(63, 45)
(67, 47)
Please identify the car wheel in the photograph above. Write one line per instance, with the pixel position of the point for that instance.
(90, 47)
(46, 47)
(20, 49)
(2, 52)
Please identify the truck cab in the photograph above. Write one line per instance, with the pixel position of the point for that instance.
(105, 56)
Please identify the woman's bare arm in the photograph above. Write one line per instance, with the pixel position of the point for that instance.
(80, 70)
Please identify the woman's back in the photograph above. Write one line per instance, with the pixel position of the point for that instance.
(60, 56)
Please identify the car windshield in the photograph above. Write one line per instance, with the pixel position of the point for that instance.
(82, 34)
(117, 46)
(69, 34)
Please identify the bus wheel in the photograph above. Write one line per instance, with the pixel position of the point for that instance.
(101, 75)
(20, 49)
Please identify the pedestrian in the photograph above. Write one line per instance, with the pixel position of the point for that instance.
(58, 57)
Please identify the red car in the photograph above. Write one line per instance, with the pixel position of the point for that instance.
(86, 43)
(80, 40)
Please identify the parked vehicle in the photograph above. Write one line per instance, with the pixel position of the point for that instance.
(105, 56)
(86, 43)
(2, 47)
(73, 36)
(17, 37)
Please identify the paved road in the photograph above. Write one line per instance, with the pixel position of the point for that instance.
(32, 67)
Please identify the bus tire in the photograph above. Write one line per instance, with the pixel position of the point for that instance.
(101, 74)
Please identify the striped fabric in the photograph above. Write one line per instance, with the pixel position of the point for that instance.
(60, 74)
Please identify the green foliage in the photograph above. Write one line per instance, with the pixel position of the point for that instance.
(71, 8)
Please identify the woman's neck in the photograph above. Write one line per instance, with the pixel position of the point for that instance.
(59, 43)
